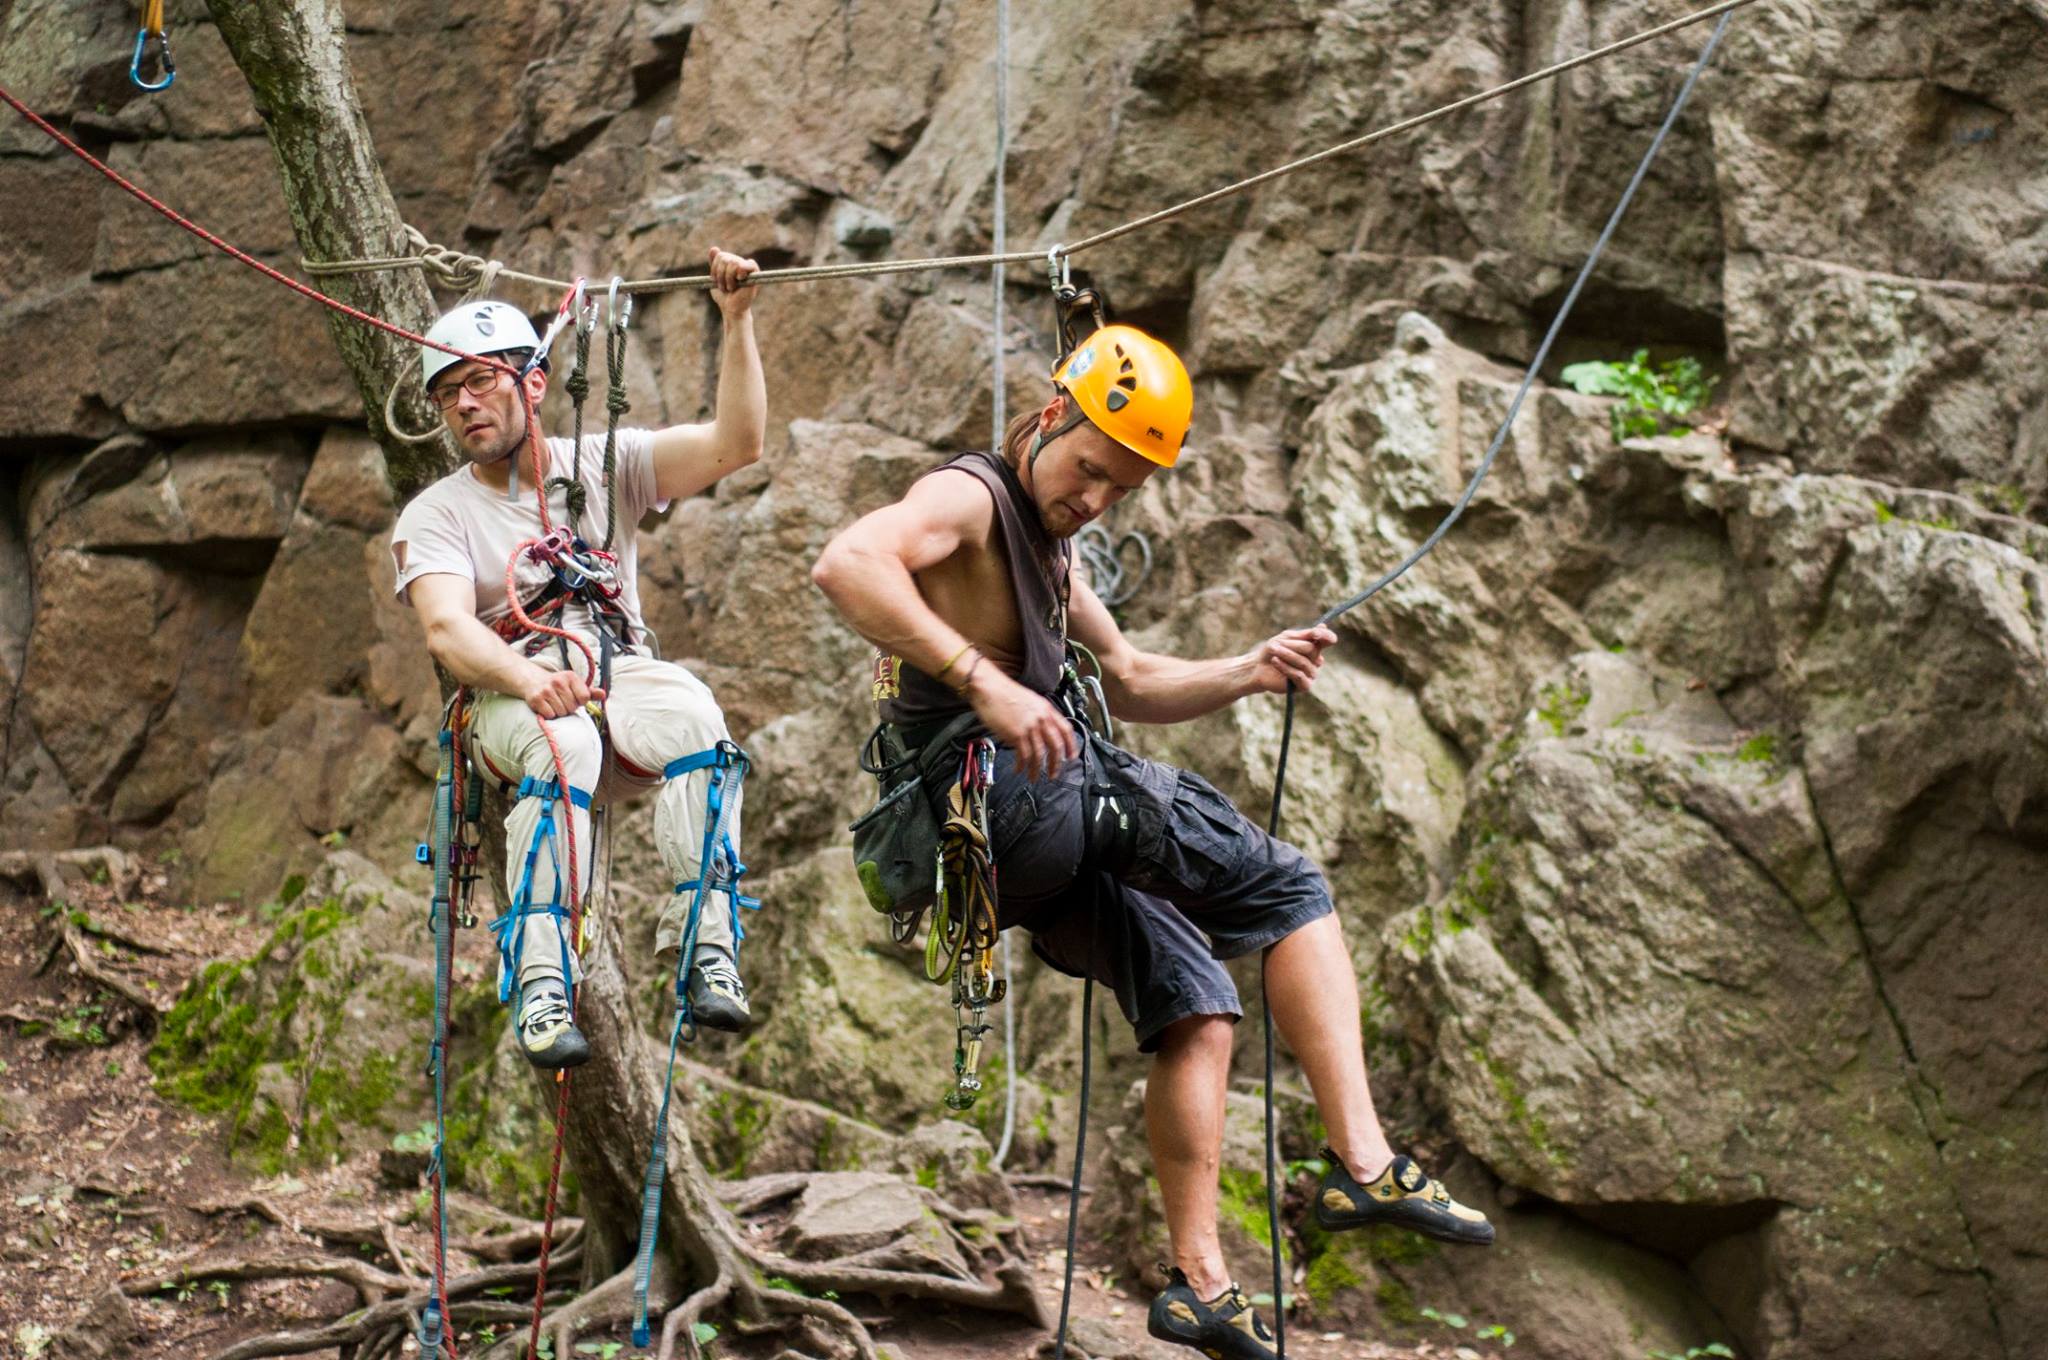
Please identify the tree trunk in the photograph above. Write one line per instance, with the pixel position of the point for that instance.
(292, 54)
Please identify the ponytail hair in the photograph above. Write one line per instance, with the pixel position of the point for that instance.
(1017, 434)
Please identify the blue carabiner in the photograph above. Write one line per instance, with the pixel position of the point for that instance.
(170, 68)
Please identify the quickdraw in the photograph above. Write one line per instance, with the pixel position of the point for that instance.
(964, 930)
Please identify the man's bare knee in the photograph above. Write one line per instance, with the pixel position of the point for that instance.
(1196, 1034)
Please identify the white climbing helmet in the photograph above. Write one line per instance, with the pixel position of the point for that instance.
(476, 328)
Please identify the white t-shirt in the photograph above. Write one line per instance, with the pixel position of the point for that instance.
(460, 527)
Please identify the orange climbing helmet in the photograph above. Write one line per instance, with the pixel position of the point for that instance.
(1133, 388)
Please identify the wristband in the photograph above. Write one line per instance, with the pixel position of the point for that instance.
(968, 678)
(953, 660)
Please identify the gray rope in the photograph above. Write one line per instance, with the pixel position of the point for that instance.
(449, 265)
(578, 385)
(615, 405)
(1564, 310)
(998, 413)
(400, 433)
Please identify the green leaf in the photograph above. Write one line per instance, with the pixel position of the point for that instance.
(704, 1332)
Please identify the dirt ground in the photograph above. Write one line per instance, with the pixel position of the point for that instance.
(113, 1201)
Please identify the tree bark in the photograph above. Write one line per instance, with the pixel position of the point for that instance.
(293, 56)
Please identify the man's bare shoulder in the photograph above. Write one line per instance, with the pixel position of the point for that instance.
(953, 498)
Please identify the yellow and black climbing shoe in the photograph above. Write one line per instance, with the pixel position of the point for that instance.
(547, 1035)
(1404, 1195)
(718, 999)
(1222, 1328)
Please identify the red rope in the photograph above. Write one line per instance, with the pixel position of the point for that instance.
(532, 625)
(203, 234)
(304, 290)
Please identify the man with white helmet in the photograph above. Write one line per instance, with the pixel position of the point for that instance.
(534, 722)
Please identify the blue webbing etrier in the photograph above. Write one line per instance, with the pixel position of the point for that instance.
(718, 870)
(510, 928)
(445, 853)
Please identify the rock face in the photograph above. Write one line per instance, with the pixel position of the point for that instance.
(1686, 807)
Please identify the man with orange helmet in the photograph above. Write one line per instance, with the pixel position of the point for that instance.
(966, 587)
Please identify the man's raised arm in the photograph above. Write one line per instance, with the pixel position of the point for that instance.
(688, 458)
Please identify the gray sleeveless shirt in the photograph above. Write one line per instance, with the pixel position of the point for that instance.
(1040, 569)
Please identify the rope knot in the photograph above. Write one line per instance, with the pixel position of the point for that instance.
(574, 491)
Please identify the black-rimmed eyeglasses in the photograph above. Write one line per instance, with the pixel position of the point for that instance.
(480, 383)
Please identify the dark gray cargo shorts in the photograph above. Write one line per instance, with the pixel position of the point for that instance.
(1196, 883)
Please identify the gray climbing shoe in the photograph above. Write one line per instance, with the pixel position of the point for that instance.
(1404, 1195)
(1224, 1327)
(718, 999)
(547, 1035)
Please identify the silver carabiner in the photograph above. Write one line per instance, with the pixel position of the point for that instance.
(1059, 270)
(617, 313)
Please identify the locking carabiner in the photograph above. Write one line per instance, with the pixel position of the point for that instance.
(164, 62)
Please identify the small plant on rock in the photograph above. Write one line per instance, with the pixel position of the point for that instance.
(1654, 397)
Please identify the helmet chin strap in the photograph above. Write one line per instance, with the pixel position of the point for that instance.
(1041, 438)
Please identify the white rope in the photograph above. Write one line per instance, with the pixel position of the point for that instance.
(998, 409)
(451, 265)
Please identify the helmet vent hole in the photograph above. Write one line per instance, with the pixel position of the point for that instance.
(1129, 384)
(1117, 400)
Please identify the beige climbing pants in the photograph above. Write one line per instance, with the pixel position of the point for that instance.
(656, 712)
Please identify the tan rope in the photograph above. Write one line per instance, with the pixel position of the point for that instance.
(398, 432)
(471, 272)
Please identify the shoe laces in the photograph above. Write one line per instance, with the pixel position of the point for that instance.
(545, 1011)
(716, 970)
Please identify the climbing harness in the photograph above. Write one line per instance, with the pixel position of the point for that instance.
(718, 870)
(152, 27)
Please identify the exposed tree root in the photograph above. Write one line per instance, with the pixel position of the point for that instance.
(1012, 1291)
(392, 1299)
(47, 871)
(82, 957)
(682, 1322)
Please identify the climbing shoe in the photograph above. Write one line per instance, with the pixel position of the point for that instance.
(1222, 1328)
(718, 999)
(1404, 1195)
(547, 1036)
